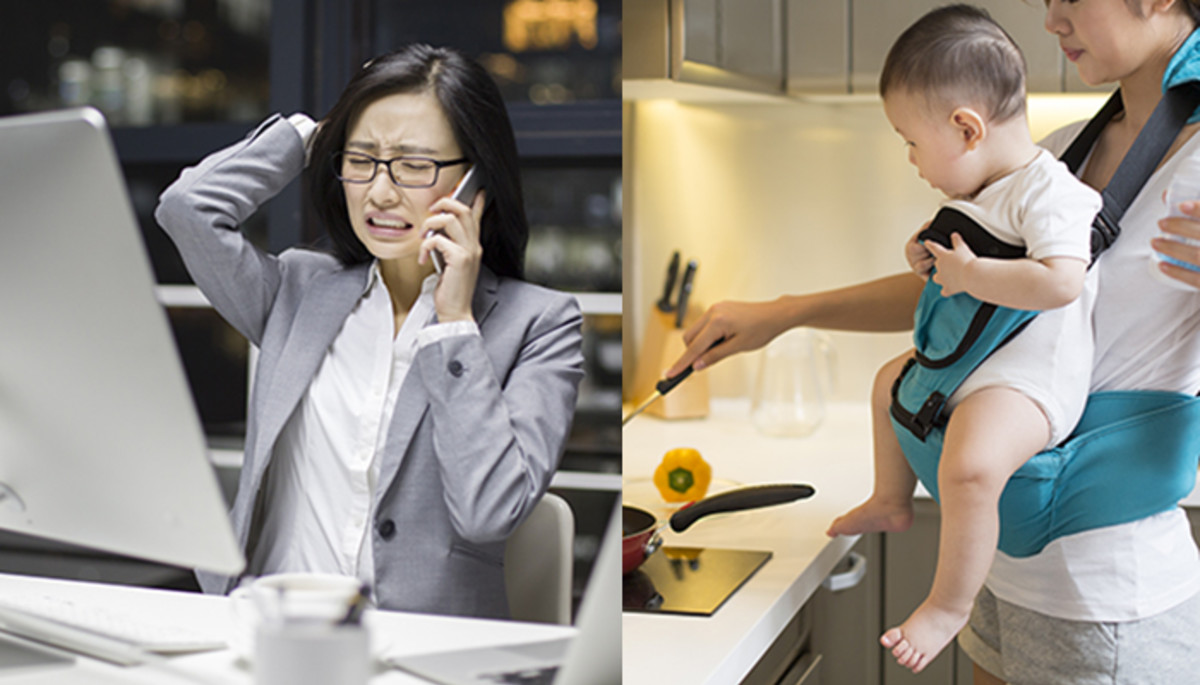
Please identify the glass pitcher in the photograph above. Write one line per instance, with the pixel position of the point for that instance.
(794, 381)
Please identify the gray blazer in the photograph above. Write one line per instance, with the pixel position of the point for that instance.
(480, 423)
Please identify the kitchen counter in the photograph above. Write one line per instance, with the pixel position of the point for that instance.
(836, 460)
(722, 648)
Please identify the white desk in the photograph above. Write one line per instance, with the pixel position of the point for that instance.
(401, 634)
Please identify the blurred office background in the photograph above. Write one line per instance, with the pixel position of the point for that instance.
(178, 79)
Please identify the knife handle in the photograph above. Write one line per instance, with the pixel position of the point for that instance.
(664, 303)
(667, 384)
(685, 291)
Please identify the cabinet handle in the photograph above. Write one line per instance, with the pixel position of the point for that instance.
(849, 578)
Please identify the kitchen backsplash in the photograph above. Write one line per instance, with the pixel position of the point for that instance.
(780, 197)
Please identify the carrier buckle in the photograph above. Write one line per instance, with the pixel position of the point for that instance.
(928, 416)
(1104, 233)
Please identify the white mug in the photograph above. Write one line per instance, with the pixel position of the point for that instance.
(311, 653)
(319, 598)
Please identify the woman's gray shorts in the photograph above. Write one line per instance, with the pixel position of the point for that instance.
(1023, 647)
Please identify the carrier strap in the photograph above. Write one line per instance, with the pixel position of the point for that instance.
(1151, 145)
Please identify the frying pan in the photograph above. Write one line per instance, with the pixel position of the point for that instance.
(641, 534)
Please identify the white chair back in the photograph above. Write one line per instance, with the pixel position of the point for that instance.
(538, 559)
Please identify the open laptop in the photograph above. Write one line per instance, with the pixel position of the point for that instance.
(592, 657)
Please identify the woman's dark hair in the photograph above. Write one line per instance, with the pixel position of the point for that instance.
(1190, 7)
(473, 105)
(954, 52)
(1193, 10)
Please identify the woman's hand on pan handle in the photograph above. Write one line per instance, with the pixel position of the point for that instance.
(1185, 227)
(455, 235)
(745, 326)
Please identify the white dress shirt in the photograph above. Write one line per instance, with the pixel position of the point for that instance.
(325, 466)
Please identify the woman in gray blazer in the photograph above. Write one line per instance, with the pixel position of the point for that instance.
(402, 423)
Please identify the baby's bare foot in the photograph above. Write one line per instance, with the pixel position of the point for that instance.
(874, 516)
(924, 635)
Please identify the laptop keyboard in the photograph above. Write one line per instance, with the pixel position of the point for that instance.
(528, 676)
(100, 632)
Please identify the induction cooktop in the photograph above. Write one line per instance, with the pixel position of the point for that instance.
(689, 580)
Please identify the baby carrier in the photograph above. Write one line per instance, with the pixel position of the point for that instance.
(1133, 454)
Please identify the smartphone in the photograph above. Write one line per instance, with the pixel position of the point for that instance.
(464, 192)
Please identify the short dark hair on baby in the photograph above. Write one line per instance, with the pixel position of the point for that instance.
(957, 53)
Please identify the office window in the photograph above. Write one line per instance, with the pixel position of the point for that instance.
(215, 358)
(538, 51)
(141, 62)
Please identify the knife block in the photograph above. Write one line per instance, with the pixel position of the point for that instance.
(662, 344)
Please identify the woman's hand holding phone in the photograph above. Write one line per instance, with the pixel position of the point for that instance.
(452, 233)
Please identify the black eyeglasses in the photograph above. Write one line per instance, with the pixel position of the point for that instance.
(406, 171)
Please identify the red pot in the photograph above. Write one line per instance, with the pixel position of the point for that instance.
(640, 537)
(641, 532)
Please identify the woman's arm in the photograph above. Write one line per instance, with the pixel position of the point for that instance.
(202, 210)
(499, 438)
(883, 305)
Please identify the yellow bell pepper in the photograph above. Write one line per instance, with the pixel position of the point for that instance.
(683, 476)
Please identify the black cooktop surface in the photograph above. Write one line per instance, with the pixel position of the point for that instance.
(689, 580)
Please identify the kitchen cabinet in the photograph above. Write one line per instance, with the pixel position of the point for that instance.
(877, 23)
(728, 43)
(791, 659)
(818, 46)
(909, 559)
(832, 639)
(807, 47)
(846, 616)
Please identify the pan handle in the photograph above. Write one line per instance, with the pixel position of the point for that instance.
(653, 544)
(752, 497)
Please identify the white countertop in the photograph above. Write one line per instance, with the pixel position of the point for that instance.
(722, 648)
(836, 460)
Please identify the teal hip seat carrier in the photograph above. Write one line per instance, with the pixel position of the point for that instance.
(1133, 454)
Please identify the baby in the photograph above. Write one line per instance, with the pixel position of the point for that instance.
(953, 87)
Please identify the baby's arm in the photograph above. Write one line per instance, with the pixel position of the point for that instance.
(1017, 283)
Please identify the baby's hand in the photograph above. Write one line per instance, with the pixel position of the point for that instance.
(920, 259)
(952, 264)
